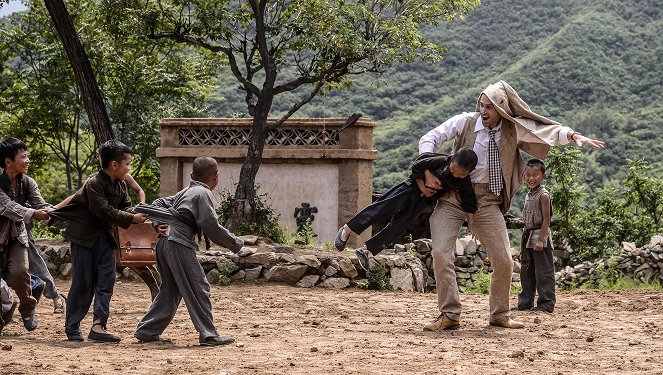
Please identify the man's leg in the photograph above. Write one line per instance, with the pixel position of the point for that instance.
(148, 278)
(491, 231)
(445, 222)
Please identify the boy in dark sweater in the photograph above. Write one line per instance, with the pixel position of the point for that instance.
(98, 204)
(405, 201)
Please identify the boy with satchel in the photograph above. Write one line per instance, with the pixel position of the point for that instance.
(188, 213)
(98, 204)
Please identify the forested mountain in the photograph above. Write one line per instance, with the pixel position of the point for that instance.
(596, 66)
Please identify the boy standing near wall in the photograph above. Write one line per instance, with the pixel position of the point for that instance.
(97, 205)
(188, 212)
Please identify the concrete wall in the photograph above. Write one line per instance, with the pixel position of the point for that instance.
(287, 186)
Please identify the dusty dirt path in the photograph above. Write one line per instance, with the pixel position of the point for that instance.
(284, 330)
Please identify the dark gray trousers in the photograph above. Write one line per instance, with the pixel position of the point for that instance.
(400, 205)
(537, 274)
(182, 277)
(92, 275)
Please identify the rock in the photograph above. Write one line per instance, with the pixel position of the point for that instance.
(283, 249)
(401, 279)
(589, 339)
(419, 279)
(460, 247)
(238, 276)
(246, 251)
(471, 247)
(213, 276)
(537, 320)
(347, 268)
(310, 260)
(423, 246)
(287, 258)
(332, 268)
(264, 259)
(252, 274)
(65, 270)
(308, 281)
(517, 354)
(335, 283)
(249, 240)
(399, 248)
(288, 274)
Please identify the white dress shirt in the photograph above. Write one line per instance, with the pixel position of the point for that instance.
(452, 128)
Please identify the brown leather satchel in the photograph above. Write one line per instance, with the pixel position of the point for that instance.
(137, 245)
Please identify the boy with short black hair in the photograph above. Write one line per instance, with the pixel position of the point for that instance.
(405, 201)
(18, 190)
(188, 212)
(98, 204)
(537, 272)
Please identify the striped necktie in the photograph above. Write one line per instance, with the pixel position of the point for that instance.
(494, 167)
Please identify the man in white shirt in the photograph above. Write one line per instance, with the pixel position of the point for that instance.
(502, 125)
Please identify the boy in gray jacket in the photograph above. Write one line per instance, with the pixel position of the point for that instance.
(188, 213)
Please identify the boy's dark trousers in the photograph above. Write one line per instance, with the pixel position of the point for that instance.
(537, 273)
(92, 275)
(402, 204)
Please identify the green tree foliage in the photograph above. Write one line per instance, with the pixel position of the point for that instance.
(595, 227)
(594, 65)
(295, 50)
(142, 81)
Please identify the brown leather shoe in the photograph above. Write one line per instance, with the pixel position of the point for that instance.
(442, 323)
(506, 322)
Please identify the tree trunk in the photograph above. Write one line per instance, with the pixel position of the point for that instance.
(90, 93)
(244, 203)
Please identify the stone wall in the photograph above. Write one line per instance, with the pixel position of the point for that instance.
(644, 264)
(408, 267)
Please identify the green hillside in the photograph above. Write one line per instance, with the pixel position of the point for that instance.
(594, 65)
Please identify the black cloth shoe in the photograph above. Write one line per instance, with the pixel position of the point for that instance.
(30, 322)
(75, 336)
(338, 242)
(217, 340)
(103, 337)
(142, 338)
(363, 257)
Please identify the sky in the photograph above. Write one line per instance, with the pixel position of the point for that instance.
(13, 6)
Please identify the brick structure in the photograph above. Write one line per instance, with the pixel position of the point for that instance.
(305, 161)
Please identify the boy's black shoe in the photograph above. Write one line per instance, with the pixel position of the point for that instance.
(217, 340)
(30, 322)
(103, 337)
(142, 338)
(338, 242)
(75, 336)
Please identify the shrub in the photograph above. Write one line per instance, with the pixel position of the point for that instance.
(266, 218)
(377, 277)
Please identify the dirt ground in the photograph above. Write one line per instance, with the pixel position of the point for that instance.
(284, 330)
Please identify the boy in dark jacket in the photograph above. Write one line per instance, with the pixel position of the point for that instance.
(98, 204)
(405, 201)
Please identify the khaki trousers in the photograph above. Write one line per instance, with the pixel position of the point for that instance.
(18, 277)
(445, 222)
